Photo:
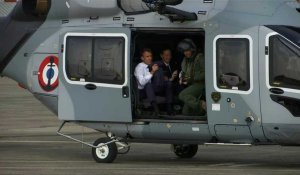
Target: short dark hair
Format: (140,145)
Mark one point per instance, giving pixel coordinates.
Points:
(145,50)
(164,49)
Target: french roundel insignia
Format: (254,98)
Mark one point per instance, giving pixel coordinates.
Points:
(48,73)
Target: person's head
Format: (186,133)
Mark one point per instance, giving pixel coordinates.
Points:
(166,55)
(187,47)
(147,56)
(188,53)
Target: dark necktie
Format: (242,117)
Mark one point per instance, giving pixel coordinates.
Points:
(169,68)
(150,68)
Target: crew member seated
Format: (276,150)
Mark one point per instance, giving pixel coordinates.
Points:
(192,77)
(144,73)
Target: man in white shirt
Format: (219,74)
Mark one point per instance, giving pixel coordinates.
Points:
(144,72)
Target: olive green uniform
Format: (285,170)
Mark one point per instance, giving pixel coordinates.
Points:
(194,70)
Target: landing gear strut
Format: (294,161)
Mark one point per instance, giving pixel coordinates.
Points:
(185,151)
(104,150)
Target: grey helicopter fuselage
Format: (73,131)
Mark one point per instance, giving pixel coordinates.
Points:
(259,114)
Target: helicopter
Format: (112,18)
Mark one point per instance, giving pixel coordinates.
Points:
(78,58)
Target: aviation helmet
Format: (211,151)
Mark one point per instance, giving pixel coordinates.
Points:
(187,44)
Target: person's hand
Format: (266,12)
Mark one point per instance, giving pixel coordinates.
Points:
(154,68)
(174,75)
(183,81)
(203,105)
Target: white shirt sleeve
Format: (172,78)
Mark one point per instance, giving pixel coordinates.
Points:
(143,76)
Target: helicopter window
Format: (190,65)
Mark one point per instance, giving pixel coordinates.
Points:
(95,59)
(79,58)
(232,61)
(284,63)
(289,32)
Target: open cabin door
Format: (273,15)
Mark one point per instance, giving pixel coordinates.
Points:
(94,79)
(280,83)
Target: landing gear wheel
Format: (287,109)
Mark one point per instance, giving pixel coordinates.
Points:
(104,154)
(185,151)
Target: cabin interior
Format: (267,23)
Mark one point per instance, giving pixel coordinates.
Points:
(157,40)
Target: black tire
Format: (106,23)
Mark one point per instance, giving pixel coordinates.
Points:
(185,151)
(105,154)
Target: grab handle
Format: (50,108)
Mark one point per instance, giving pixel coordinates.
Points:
(276,91)
(90,86)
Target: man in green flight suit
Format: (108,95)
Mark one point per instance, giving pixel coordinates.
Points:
(192,77)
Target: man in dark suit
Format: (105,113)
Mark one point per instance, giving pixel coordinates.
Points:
(168,71)
(166,77)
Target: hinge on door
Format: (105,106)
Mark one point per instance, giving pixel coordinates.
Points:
(266,50)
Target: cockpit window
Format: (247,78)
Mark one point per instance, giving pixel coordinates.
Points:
(284,63)
(297,36)
(290,32)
